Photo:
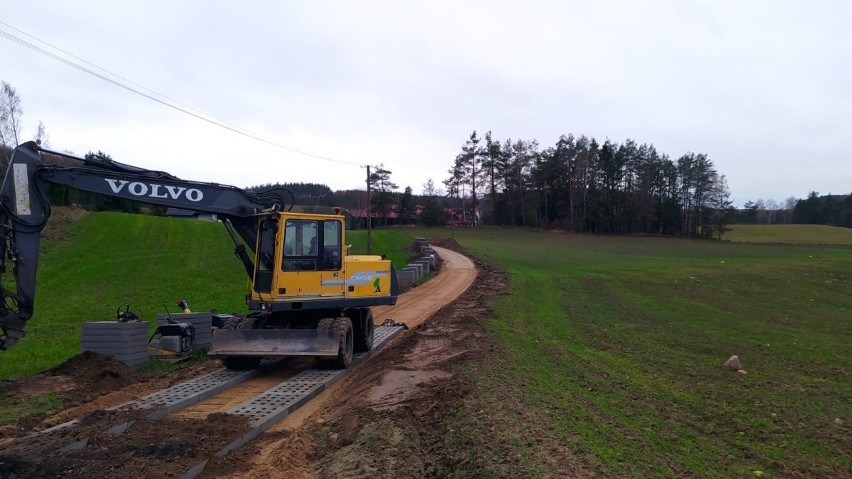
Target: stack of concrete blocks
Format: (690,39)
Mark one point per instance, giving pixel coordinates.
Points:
(202,322)
(425,265)
(427,252)
(407,277)
(418,268)
(126,342)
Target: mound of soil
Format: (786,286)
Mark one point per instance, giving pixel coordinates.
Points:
(96,373)
(78,380)
(448,243)
(148,448)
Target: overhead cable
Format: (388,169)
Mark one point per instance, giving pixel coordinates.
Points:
(152,95)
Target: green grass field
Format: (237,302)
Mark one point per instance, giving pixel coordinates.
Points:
(615,346)
(790,234)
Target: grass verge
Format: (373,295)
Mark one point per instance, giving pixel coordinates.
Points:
(13,408)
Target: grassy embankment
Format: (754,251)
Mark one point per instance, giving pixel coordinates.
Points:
(107,259)
(614,346)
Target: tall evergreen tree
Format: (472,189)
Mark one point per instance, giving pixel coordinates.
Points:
(490,171)
(406,206)
(382,187)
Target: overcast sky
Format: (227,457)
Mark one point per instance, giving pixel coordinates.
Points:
(764,88)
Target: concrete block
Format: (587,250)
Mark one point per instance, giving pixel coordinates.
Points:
(115,328)
(425,263)
(433,260)
(407,278)
(100,335)
(418,267)
(126,342)
(415,273)
(202,322)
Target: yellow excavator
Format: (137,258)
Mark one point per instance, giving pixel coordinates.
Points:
(309,295)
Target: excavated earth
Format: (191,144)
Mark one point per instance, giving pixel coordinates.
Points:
(382,420)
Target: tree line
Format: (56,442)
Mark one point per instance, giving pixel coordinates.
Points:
(577,184)
(582,185)
(835,210)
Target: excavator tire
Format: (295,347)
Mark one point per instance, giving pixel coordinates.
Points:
(365,332)
(325,324)
(240,363)
(343,327)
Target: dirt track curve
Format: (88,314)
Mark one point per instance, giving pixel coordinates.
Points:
(416,305)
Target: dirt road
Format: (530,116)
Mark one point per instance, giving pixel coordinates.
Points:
(416,305)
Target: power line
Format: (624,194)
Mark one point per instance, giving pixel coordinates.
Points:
(151,95)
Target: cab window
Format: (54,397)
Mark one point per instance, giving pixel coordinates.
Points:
(331,245)
(312,245)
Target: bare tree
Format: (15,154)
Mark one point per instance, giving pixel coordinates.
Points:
(10,124)
(429,189)
(10,116)
(42,137)
(720,201)
(789,206)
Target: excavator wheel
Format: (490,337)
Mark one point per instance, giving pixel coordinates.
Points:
(365,332)
(325,324)
(343,327)
(240,363)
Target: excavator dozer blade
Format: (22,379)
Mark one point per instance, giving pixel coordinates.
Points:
(274,342)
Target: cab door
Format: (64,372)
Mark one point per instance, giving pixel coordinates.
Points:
(264,267)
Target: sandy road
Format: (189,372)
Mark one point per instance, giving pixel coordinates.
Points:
(412,308)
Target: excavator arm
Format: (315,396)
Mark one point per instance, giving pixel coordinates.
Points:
(25,209)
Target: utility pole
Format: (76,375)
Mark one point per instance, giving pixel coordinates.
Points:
(369,215)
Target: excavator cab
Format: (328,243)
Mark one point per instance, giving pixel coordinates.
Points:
(301,258)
